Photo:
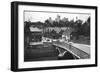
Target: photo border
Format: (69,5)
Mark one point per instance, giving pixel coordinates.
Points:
(14,35)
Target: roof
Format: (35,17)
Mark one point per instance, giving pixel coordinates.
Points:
(67,31)
(35,29)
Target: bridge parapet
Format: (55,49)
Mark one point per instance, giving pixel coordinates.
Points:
(73,50)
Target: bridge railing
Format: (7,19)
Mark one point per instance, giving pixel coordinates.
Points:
(75,51)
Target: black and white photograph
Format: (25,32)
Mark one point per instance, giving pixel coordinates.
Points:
(56,36)
(53,36)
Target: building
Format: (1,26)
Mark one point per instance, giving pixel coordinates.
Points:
(35,35)
(57,19)
(66,34)
(50,20)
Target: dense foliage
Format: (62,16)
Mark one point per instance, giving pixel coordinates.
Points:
(79,27)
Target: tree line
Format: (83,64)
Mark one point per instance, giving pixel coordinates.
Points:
(79,27)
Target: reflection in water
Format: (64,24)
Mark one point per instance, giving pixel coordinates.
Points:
(44,52)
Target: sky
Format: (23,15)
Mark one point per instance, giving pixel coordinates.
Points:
(42,16)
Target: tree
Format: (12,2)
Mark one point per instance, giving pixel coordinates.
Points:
(60,33)
(46,24)
(26,28)
(71,24)
(86,27)
(53,33)
(77,28)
